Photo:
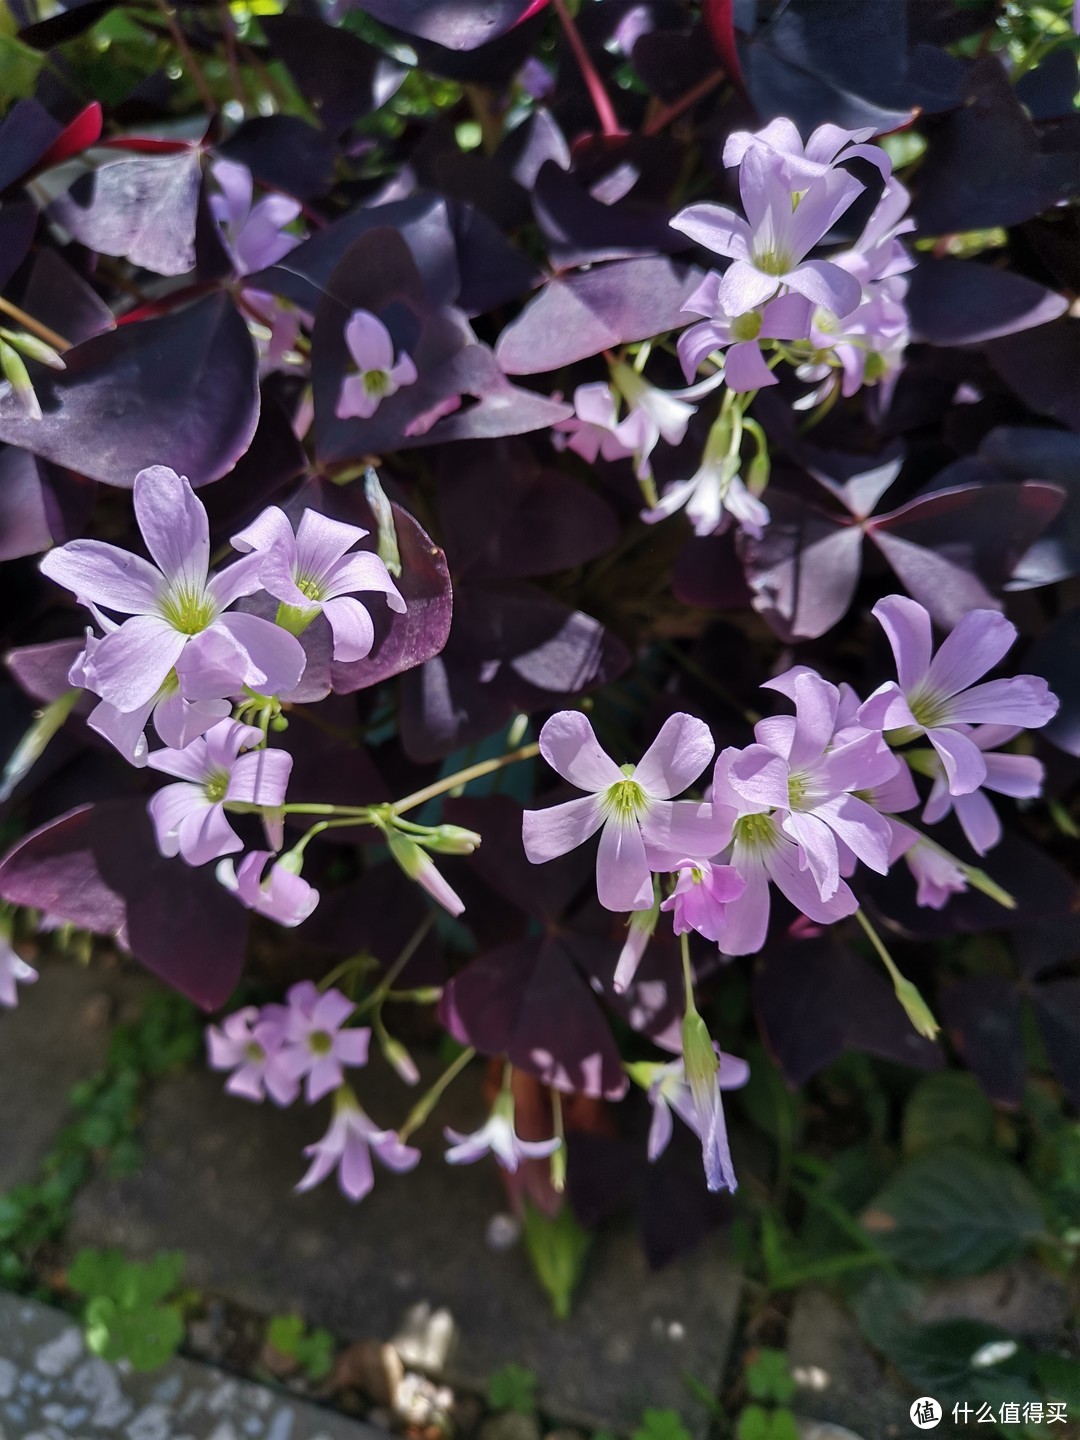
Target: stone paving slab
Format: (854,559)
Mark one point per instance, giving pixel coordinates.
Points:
(840,1381)
(56,1036)
(217,1182)
(52,1389)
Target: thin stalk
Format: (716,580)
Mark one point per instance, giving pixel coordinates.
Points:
(462,777)
(379,994)
(687,970)
(179,39)
(605,111)
(423,1108)
(34,326)
(918,1012)
(667,113)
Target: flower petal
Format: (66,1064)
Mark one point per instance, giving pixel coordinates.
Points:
(817,845)
(677,830)
(174,525)
(570,747)
(130,665)
(798,885)
(1018,775)
(623,878)
(826,284)
(746,918)
(745,288)
(745,368)
(962,759)
(979,821)
(717,228)
(907,625)
(362,572)
(866,833)
(100,574)
(761,777)
(354,633)
(681,751)
(276,658)
(369,341)
(260,777)
(1024,700)
(978,641)
(547,834)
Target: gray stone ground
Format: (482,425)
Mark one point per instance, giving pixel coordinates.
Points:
(52,1389)
(217,1182)
(840,1380)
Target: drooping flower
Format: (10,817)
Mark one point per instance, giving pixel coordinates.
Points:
(936,873)
(936,695)
(497,1137)
(315,571)
(253,234)
(418,865)
(797,771)
(653,414)
(248,1043)
(381,374)
(189,817)
(177,608)
(13,971)
(314,1043)
(701,895)
(1019,776)
(785,318)
(593,429)
(715,494)
(670,1091)
(643,828)
(347,1147)
(281,895)
(769,249)
(639,931)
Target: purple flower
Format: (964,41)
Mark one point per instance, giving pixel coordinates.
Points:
(252,234)
(797,772)
(1020,776)
(249,1044)
(281,895)
(643,829)
(785,318)
(701,895)
(715,494)
(372,350)
(314,1044)
(418,865)
(536,79)
(936,873)
(594,428)
(868,344)
(13,971)
(497,1137)
(670,1090)
(312,573)
(801,164)
(347,1147)
(936,695)
(189,818)
(653,414)
(769,249)
(176,607)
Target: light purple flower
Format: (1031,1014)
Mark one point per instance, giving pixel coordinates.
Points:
(796,770)
(769,249)
(643,829)
(176,607)
(13,971)
(936,873)
(670,1091)
(536,79)
(281,895)
(785,318)
(314,572)
(381,375)
(869,344)
(936,695)
(189,818)
(418,865)
(652,415)
(593,429)
(801,164)
(701,895)
(497,1137)
(715,494)
(248,1043)
(253,234)
(315,1045)
(347,1147)
(1020,776)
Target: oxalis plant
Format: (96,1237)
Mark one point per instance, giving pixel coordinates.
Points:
(379,398)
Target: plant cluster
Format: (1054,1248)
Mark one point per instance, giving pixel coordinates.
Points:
(411,376)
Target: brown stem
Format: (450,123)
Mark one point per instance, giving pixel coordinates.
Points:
(667,113)
(179,39)
(34,326)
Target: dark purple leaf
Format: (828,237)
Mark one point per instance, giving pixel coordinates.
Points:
(815,999)
(284,153)
(179,390)
(540,891)
(379,913)
(804,569)
(1057,1009)
(57,296)
(30,139)
(1056,656)
(707,573)
(1047,92)
(528,1002)
(982,1016)
(18,221)
(455,26)
(340,75)
(99,868)
(577,316)
(40,504)
(582,230)
(141,208)
(492,271)
(273,460)
(962,302)
(42,670)
(1041,367)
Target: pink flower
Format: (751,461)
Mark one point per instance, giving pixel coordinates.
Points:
(176,607)
(253,233)
(497,1137)
(653,415)
(936,696)
(594,428)
(715,494)
(381,375)
(670,1091)
(249,1044)
(312,572)
(347,1147)
(13,971)
(937,874)
(314,1044)
(281,895)
(700,898)
(1020,776)
(642,828)
(189,818)
(785,318)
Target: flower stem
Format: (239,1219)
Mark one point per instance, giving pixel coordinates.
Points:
(605,112)
(687,970)
(379,994)
(462,777)
(424,1106)
(918,1012)
(34,326)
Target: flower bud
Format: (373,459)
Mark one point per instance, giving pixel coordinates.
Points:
(399,1058)
(451,840)
(16,375)
(34,349)
(418,866)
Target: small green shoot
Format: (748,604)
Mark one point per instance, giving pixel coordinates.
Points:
(513,1388)
(311,1350)
(768,1377)
(661,1425)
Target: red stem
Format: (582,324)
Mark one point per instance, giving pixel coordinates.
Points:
(605,112)
(667,113)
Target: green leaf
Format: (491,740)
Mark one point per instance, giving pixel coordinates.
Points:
(96,1272)
(944,1108)
(769,1377)
(316,1353)
(753,1423)
(285,1333)
(19,66)
(661,1425)
(557,1248)
(513,1388)
(954,1212)
(145,1338)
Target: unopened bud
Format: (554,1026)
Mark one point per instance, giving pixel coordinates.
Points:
(418,866)
(15,374)
(451,840)
(34,349)
(640,931)
(918,1012)
(699,1054)
(757,472)
(399,1058)
(278,724)
(387,542)
(558,1169)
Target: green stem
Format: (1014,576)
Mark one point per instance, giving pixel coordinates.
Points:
(918,1012)
(379,994)
(462,777)
(687,970)
(423,1108)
